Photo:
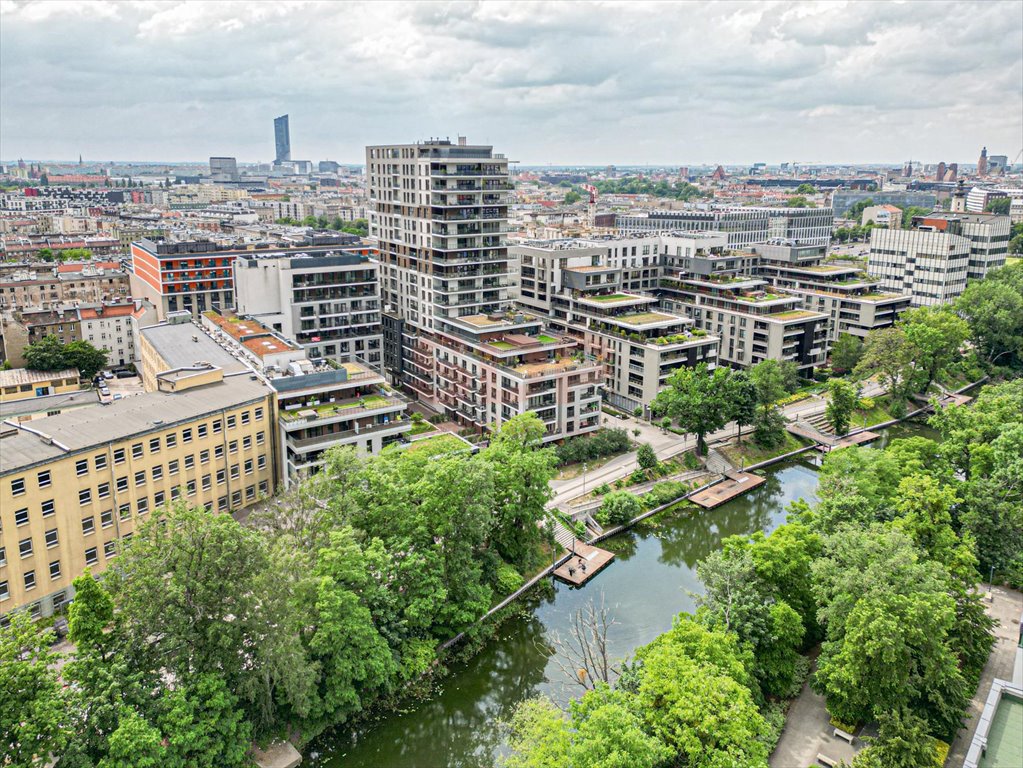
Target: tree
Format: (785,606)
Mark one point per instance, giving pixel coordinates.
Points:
(204,726)
(197,595)
(698,400)
(646,457)
(584,655)
(47,354)
(769,379)
(799,202)
(903,741)
(90,613)
(999,205)
(843,398)
(888,353)
(806,189)
(911,211)
(993,308)
(936,333)
(744,401)
(572,197)
(846,353)
(522,469)
(31,706)
(619,507)
(135,744)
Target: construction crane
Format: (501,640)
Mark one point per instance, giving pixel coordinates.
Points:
(1016,159)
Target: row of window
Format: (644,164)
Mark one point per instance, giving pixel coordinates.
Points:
(44,478)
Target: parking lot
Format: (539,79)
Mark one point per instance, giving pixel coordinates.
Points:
(123,387)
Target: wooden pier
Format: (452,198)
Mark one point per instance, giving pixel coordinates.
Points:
(735,484)
(849,440)
(586,563)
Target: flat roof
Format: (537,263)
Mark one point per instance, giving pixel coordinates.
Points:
(182,345)
(16,377)
(95,426)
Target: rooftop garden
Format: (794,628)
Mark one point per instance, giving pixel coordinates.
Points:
(543,338)
(765,296)
(438,445)
(793,315)
(643,318)
(501,344)
(611,297)
(325,410)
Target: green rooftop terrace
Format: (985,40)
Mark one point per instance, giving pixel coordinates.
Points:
(438,445)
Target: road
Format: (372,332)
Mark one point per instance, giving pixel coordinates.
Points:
(667,445)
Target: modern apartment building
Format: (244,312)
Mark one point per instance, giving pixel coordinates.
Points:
(439,213)
(927,263)
(588,288)
(743,226)
(842,290)
(988,234)
(321,404)
(328,303)
(74,485)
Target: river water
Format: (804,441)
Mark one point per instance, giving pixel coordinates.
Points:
(650,580)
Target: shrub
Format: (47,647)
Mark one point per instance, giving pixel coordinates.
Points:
(602,490)
(603,442)
(508,579)
(690,460)
(645,456)
(665,492)
(619,508)
(637,411)
(637,476)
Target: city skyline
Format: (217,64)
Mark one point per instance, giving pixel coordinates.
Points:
(636,84)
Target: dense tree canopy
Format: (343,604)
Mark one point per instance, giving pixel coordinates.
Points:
(49,354)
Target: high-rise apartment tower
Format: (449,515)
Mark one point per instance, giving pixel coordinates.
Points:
(282,139)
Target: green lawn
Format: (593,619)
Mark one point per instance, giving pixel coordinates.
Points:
(419,427)
(750,453)
(876,415)
(545,339)
(611,297)
(501,344)
(439,445)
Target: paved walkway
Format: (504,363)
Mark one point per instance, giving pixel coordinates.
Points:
(1006,610)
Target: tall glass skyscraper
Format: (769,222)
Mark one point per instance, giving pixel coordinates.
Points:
(282,138)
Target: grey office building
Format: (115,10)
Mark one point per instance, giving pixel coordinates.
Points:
(282,139)
(744,226)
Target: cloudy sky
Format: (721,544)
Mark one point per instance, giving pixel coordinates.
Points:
(551,82)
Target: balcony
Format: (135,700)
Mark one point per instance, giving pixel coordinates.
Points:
(322,442)
(329,413)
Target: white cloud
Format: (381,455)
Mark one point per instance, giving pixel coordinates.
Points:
(570,82)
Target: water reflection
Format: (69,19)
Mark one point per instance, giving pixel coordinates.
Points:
(648,583)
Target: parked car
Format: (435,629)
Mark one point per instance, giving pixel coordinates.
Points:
(124,373)
(108,375)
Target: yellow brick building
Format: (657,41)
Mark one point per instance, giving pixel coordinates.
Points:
(22,384)
(74,485)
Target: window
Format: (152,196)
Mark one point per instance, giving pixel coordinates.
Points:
(30,580)
(21,516)
(3,556)
(207,482)
(140,477)
(186,435)
(158,472)
(222,504)
(82,467)
(248,466)
(235,473)
(259,414)
(262,461)
(260,438)
(204,457)
(58,600)
(25,547)
(158,498)
(18,486)
(250,493)
(109,549)
(100,461)
(201,430)
(246,442)
(44,478)
(221,476)
(122,484)
(231,421)
(172,467)
(102,490)
(190,488)
(90,556)
(88,525)
(142,505)
(218,451)
(154,445)
(48,508)
(124,511)
(232,447)
(189,461)
(175,492)
(5,590)
(106,518)
(236,498)
(217,426)
(55,569)
(172,440)
(51,538)
(85,496)
(245,417)
(136,451)
(118,455)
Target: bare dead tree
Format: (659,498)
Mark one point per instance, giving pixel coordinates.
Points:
(583,655)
